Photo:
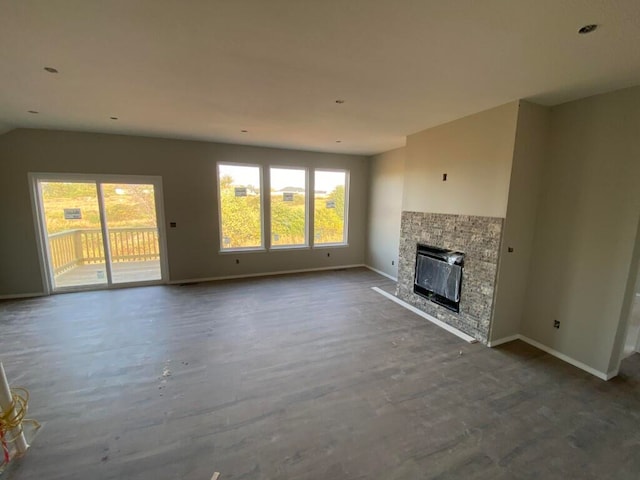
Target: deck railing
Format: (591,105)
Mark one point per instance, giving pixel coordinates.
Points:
(72,248)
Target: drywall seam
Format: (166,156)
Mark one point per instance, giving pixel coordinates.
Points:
(448,328)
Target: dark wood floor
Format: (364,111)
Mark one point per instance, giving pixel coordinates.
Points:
(311,376)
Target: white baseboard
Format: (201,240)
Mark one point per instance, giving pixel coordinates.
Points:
(265,274)
(612,373)
(568,359)
(380,272)
(557,354)
(439,323)
(16,296)
(500,341)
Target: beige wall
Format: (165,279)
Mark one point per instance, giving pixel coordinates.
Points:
(475,152)
(386,178)
(188,170)
(529,156)
(586,228)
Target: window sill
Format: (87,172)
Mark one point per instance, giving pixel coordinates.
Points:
(235,251)
(331,245)
(243,250)
(280,248)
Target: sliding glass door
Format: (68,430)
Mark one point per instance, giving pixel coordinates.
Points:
(96,232)
(74,235)
(132,226)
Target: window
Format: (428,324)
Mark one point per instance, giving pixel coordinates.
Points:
(240,190)
(288,207)
(330,207)
(239,187)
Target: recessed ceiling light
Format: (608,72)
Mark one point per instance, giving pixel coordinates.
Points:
(339,101)
(244,131)
(113,118)
(588,29)
(32,111)
(51,69)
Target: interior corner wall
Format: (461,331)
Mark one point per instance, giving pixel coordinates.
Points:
(586,227)
(476,154)
(188,171)
(529,159)
(386,178)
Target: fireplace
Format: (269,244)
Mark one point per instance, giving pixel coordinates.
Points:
(438,275)
(479,238)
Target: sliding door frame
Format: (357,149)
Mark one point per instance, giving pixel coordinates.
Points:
(44,256)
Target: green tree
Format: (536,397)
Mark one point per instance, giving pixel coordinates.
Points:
(241,219)
(288,220)
(126,205)
(329,221)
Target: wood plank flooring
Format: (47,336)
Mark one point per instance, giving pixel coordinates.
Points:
(310,376)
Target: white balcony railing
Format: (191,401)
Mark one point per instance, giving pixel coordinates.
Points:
(72,248)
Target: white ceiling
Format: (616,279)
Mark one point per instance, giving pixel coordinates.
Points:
(206,69)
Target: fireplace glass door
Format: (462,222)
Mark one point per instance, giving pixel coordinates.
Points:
(438,276)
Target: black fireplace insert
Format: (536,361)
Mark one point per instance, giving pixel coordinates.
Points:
(438,275)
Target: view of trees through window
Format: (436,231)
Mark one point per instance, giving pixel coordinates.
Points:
(126,205)
(74,232)
(241,206)
(329,212)
(288,206)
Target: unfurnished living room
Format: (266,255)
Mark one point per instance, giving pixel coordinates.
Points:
(319,239)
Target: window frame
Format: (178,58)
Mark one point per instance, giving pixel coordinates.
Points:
(262,247)
(307,207)
(345,227)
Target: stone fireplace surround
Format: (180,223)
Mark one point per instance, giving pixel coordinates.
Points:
(479,239)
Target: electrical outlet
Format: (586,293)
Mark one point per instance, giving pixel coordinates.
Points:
(556,324)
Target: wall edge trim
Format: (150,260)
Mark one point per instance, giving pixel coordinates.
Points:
(500,341)
(12,296)
(263,274)
(557,354)
(570,360)
(380,272)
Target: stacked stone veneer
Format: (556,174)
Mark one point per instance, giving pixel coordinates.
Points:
(479,239)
